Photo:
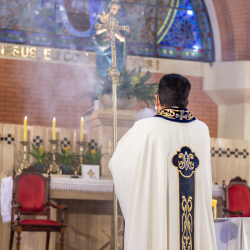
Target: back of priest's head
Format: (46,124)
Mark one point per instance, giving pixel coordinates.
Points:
(173,91)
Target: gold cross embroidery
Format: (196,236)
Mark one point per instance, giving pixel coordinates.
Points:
(91,173)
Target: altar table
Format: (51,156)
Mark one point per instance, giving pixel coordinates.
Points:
(90,211)
(61,188)
(233,233)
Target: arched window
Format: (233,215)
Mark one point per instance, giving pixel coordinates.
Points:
(177,29)
(171,28)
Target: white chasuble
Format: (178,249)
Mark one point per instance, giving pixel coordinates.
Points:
(162,176)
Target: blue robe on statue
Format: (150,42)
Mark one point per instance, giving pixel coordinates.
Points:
(102,44)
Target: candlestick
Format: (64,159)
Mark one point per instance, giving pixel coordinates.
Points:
(81,147)
(54,129)
(25,128)
(82,129)
(24,163)
(214,207)
(54,168)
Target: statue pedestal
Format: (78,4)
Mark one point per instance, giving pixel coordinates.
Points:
(100,123)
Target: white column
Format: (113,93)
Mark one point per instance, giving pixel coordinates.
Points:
(228,85)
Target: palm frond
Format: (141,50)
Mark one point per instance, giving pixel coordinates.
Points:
(142,91)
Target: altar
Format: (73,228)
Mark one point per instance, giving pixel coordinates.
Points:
(89,218)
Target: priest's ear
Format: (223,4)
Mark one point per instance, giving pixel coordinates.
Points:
(157,100)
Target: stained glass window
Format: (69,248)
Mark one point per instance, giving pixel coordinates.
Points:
(159,28)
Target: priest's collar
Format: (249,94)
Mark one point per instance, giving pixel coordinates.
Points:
(176,114)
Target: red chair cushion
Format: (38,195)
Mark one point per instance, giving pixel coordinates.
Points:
(31,193)
(239,199)
(39,222)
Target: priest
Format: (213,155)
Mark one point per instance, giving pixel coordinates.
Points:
(162,176)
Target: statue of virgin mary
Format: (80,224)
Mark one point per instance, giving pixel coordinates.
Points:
(101,40)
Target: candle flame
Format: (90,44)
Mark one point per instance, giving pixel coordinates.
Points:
(82,118)
(87,54)
(54,119)
(25,117)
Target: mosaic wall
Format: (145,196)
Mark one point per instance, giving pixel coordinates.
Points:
(159,28)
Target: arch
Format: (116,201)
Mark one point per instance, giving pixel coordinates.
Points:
(216,29)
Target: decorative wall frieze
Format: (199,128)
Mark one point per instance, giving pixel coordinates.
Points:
(85,58)
(229,152)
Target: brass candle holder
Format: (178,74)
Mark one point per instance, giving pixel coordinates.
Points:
(54,168)
(78,170)
(24,163)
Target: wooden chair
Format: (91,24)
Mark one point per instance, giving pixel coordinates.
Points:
(31,196)
(236,198)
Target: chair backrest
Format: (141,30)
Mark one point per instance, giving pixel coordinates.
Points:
(238,197)
(31,189)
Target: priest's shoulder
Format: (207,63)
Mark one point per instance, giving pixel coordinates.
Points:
(146,123)
(200,123)
(153,122)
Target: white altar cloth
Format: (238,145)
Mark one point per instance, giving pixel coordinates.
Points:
(57,183)
(79,184)
(217,191)
(67,184)
(233,234)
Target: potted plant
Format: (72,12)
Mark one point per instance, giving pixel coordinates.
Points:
(131,88)
(40,155)
(92,159)
(67,159)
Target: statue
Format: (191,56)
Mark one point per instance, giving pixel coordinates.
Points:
(101,39)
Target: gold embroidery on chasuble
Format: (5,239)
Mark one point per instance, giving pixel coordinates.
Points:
(176,114)
(187,223)
(186,163)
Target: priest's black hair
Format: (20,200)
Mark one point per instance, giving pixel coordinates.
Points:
(174,90)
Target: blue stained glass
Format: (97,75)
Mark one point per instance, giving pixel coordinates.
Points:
(205,31)
(197,4)
(181,31)
(184,31)
(35,16)
(142,23)
(147,2)
(77,17)
(185,4)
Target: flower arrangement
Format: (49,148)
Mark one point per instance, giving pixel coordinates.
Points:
(130,84)
(92,156)
(67,159)
(40,156)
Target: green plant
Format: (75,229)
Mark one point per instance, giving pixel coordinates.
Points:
(39,154)
(93,157)
(66,157)
(130,84)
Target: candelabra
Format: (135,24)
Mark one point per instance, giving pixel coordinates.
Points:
(79,168)
(24,163)
(54,168)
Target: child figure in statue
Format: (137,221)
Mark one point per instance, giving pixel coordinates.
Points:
(101,40)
